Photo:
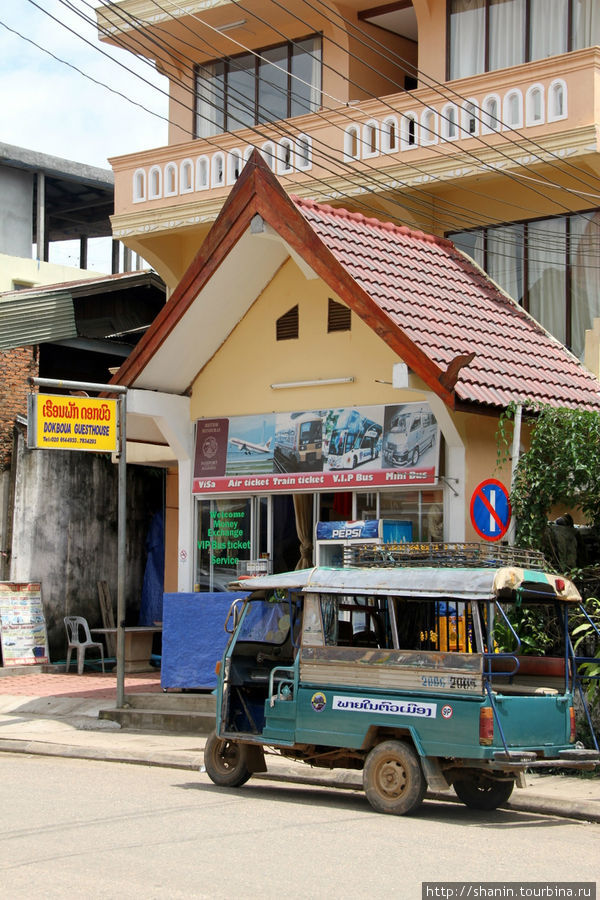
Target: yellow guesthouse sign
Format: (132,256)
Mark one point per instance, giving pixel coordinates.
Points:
(61,422)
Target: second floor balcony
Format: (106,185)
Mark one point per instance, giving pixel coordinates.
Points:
(363,155)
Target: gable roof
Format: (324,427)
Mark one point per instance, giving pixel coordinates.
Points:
(466,339)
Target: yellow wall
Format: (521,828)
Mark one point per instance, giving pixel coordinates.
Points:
(237,380)
(34,273)
(479,436)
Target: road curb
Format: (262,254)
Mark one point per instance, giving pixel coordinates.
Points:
(546,806)
(69,751)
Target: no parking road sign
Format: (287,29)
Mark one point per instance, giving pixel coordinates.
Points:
(490,510)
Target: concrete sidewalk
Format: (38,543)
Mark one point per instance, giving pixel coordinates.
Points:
(57,715)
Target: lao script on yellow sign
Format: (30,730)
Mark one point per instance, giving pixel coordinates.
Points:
(72,423)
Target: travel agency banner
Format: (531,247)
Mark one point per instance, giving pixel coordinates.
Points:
(313,450)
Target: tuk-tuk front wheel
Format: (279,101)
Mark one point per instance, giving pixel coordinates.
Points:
(225,761)
(393,779)
(483,793)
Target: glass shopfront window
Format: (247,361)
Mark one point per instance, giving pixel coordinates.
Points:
(277,531)
(224,530)
(423,509)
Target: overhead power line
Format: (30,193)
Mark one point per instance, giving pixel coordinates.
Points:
(455,225)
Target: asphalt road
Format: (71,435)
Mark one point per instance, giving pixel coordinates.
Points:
(78,828)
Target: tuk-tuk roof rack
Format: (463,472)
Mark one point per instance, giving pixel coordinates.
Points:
(470,555)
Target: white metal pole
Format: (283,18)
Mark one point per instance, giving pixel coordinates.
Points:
(121,549)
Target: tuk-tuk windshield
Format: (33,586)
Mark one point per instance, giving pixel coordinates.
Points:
(265,622)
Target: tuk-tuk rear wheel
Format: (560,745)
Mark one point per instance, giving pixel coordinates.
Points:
(225,761)
(483,793)
(393,779)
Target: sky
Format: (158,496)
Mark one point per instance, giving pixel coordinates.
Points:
(50,108)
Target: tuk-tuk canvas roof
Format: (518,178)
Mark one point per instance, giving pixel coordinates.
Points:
(461,584)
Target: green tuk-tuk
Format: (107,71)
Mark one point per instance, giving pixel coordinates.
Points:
(414,674)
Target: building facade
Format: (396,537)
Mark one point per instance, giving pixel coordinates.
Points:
(58,511)
(469,119)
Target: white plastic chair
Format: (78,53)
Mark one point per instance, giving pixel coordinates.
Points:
(78,628)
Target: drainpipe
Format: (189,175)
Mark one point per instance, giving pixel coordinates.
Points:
(516,447)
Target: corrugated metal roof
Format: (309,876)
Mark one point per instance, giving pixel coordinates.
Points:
(36,318)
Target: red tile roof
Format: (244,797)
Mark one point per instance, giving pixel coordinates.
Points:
(448,307)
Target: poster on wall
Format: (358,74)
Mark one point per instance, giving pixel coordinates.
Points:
(327,449)
(23,633)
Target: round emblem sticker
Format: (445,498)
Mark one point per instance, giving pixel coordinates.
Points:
(318,701)
(210,447)
(447,712)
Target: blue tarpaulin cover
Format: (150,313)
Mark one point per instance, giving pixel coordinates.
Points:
(193,638)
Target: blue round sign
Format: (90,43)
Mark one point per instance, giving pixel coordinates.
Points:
(490,510)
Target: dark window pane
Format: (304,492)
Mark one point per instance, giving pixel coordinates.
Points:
(306,76)
(471,243)
(547,274)
(585,277)
(505,249)
(210,102)
(255,87)
(241,85)
(273,85)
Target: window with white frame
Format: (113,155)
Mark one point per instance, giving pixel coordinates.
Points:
(303,152)
(409,136)
(490,114)
(202,173)
(513,109)
(470,119)
(186,176)
(534,105)
(217,170)
(139,185)
(285,156)
(351,142)
(557,99)
(370,139)
(449,122)
(389,135)
(268,154)
(154,183)
(170,179)
(234,166)
(429,127)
